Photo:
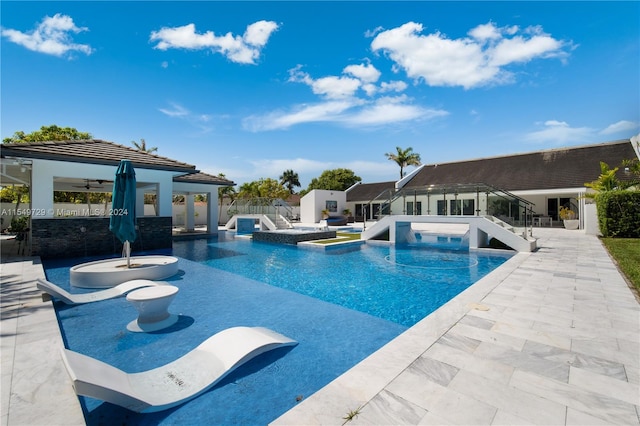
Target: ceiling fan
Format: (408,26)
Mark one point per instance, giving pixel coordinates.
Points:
(89,186)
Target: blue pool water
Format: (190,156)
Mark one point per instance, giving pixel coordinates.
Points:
(403,283)
(230,283)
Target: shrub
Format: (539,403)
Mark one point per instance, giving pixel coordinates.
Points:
(619,213)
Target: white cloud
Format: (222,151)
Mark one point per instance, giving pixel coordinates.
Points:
(331,87)
(559,132)
(393,86)
(365,73)
(52,36)
(390,110)
(198,120)
(258,33)
(342,102)
(320,112)
(519,49)
(485,32)
(473,61)
(243,49)
(175,111)
(620,126)
(352,113)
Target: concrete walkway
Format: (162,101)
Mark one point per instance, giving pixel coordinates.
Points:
(551,337)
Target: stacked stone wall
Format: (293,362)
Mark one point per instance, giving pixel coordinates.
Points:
(90,236)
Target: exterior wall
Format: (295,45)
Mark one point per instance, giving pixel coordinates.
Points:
(90,236)
(429,205)
(312,204)
(591,225)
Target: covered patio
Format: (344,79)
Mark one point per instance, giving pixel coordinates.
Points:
(57,229)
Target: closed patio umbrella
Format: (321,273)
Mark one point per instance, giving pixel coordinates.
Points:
(123,207)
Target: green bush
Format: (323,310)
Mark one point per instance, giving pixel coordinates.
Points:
(619,213)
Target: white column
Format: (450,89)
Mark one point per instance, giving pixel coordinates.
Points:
(190,211)
(42,191)
(212,212)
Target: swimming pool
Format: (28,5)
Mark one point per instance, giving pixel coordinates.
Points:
(214,296)
(402,283)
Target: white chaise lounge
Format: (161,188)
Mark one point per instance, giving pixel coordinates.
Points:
(174,383)
(110,293)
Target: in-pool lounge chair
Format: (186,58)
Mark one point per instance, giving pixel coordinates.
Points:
(174,383)
(110,293)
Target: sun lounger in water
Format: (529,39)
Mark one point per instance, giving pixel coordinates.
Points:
(76,299)
(174,383)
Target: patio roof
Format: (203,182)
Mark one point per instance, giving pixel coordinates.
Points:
(368,191)
(93,151)
(203,178)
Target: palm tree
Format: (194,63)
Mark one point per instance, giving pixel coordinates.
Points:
(225,191)
(404,158)
(142,146)
(289,179)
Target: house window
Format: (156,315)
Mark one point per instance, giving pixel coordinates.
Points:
(442,208)
(418,209)
(468,207)
(455,207)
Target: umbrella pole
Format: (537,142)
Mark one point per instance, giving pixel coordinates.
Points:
(127,252)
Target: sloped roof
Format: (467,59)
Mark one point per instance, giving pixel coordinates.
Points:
(204,178)
(93,151)
(368,191)
(541,170)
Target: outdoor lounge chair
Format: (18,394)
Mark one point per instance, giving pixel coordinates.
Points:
(174,383)
(110,293)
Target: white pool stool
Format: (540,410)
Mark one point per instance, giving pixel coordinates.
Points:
(152,304)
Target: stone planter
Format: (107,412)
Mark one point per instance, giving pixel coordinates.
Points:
(571,223)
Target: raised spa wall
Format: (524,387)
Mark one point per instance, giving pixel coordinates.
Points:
(291,237)
(90,236)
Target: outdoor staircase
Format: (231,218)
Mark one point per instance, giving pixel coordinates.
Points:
(268,211)
(481,229)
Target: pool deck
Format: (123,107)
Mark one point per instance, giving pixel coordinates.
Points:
(551,337)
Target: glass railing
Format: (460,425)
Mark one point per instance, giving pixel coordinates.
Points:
(273,208)
(453,200)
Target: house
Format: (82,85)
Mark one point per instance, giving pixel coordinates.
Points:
(90,166)
(519,188)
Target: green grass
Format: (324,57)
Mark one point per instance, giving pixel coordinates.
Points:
(626,252)
(345,236)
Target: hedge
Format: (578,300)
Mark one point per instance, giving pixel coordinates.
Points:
(619,213)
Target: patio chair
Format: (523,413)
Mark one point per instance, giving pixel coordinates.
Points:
(174,383)
(77,299)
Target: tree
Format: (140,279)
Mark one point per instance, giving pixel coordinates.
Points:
(263,188)
(404,158)
(336,179)
(225,191)
(142,146)
(289,179)
(48,133)
(607,181)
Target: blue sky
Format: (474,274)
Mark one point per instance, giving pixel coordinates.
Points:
(250,89)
